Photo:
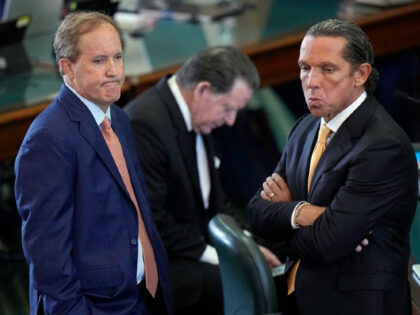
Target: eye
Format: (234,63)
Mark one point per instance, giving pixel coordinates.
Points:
(228,109)
(304,68)
(99,60)
(328,70)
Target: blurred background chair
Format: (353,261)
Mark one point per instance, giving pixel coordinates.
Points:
(248,285)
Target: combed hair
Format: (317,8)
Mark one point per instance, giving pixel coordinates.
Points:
(220,66)
(358,49)
(75,24)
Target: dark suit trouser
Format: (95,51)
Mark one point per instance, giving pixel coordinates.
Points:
(286,303)
(211,300)
(154,306)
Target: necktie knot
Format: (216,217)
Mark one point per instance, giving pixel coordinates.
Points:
(106,125)
(323,134)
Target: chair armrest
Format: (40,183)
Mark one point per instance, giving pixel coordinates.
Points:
(416,273)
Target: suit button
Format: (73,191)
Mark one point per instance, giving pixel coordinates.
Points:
(133,241)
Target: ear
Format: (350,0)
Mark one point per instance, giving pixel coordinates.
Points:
(67,67)
(362,74)
(202,89)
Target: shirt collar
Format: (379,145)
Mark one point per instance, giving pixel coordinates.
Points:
(95,110)
(341,117)
(183,107)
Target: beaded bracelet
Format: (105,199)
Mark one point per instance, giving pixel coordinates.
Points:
(299,207)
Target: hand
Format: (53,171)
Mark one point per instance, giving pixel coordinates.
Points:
(272,259)
(275,189)
(364,242)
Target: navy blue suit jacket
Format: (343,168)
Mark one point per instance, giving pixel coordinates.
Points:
(367,179)
(79,225)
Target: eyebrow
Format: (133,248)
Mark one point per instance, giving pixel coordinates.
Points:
(328,64)
(321,65)
(99,56)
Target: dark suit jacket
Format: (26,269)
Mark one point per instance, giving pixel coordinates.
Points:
(169,164)
(367,179)
(79,225)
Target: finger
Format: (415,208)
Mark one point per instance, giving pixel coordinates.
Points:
(358,248)
(264,196)
(263,185)
(269,191)
(365,242)
(274,187)
(267,188)
(274,261)
(271,259)
(279,180)
(272,182)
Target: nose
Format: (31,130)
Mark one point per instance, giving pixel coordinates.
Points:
(312,79)
(111,69)
(230,118)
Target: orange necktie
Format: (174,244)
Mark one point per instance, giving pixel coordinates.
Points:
(115,148)
(319,149)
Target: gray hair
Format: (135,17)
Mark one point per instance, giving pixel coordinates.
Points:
(75,24)
(220,66)
(358,49)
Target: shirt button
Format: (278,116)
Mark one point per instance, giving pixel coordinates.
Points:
(133,241)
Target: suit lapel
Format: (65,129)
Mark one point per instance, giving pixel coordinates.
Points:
(339,146)
(189,157)
(90,131)
(342,142)
(308,147)
(183,136)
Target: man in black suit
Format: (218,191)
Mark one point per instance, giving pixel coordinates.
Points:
(172,123)
(363,185)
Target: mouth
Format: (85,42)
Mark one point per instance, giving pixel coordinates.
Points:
(111,83)
(314,101)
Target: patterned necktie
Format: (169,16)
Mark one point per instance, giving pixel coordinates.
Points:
(319,149)
(115,148)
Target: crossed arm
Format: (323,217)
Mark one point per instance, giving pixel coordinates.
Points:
(275,189)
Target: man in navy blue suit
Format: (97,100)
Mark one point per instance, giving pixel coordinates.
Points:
(364,184)
(80,225)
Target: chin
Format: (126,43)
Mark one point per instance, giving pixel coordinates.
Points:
(205,131)
(112,100)
(316,113)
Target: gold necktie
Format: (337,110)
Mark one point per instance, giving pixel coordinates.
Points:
(319,149)
(115,148)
